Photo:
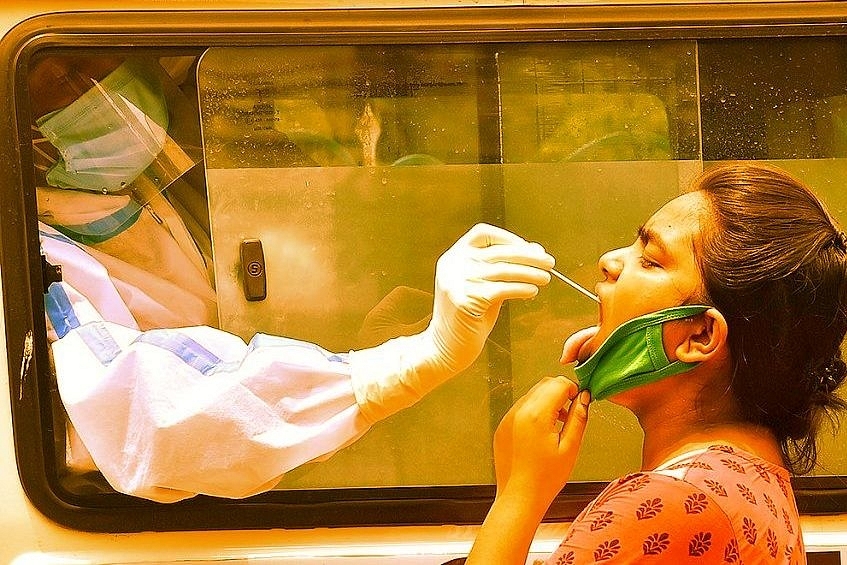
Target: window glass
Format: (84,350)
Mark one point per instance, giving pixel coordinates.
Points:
(358,166)
(355,167)
(785,102)
(596,137)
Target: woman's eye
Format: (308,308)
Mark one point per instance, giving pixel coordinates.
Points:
(647,263)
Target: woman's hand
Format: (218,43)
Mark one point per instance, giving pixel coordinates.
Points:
(537,442)
(504,442)
(535,448)
(573,345)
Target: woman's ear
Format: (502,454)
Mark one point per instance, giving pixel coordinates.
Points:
(706,338)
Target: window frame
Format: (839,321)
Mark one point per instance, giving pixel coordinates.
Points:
(190,32)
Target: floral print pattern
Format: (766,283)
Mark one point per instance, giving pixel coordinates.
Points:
(720,505)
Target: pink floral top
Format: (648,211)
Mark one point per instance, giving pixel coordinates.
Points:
(717,505)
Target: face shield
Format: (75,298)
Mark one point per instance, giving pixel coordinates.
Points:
(111,150)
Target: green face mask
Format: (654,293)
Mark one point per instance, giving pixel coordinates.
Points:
(633,355)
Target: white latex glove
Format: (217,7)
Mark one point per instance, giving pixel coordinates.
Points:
(483,268)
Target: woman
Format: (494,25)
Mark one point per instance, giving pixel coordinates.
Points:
(751,370)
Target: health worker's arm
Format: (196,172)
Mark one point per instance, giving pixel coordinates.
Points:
(167,414)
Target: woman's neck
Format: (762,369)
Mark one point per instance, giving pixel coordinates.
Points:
(667,436)
(691,411)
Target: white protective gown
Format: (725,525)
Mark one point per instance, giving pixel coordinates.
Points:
(169,413)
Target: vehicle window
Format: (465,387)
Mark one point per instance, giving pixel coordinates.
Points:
(334,149)
(354,166)
(785,104)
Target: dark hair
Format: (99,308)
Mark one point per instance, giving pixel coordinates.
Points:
(775,265)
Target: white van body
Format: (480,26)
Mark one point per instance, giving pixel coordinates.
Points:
(28,537)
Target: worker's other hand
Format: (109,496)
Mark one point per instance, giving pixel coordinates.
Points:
(483,268)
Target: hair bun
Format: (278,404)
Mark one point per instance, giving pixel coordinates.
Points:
(828,377)
(839,240)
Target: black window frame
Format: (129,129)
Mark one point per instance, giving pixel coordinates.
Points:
(191,32)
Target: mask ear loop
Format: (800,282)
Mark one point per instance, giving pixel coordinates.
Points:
(46,156)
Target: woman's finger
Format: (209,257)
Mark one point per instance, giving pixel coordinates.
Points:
(575,422)
(550,395)
(573,344)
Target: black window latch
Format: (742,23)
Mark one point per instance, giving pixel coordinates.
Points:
(49,273)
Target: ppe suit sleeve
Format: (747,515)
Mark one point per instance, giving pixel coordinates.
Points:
(166,414)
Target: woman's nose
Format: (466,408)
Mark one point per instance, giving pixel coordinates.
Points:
(611,263)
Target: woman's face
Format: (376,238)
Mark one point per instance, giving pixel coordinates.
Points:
(657,271)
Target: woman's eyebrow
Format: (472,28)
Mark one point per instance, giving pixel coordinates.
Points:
(647,236)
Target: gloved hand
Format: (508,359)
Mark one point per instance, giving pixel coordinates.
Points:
(483,268)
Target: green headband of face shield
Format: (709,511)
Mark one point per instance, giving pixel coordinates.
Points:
(633,355)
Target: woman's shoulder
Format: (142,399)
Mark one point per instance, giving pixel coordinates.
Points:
(724,469)
(722,488)
(719,502)
(754,494)
(650,515)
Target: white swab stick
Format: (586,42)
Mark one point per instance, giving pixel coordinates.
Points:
(574,285)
